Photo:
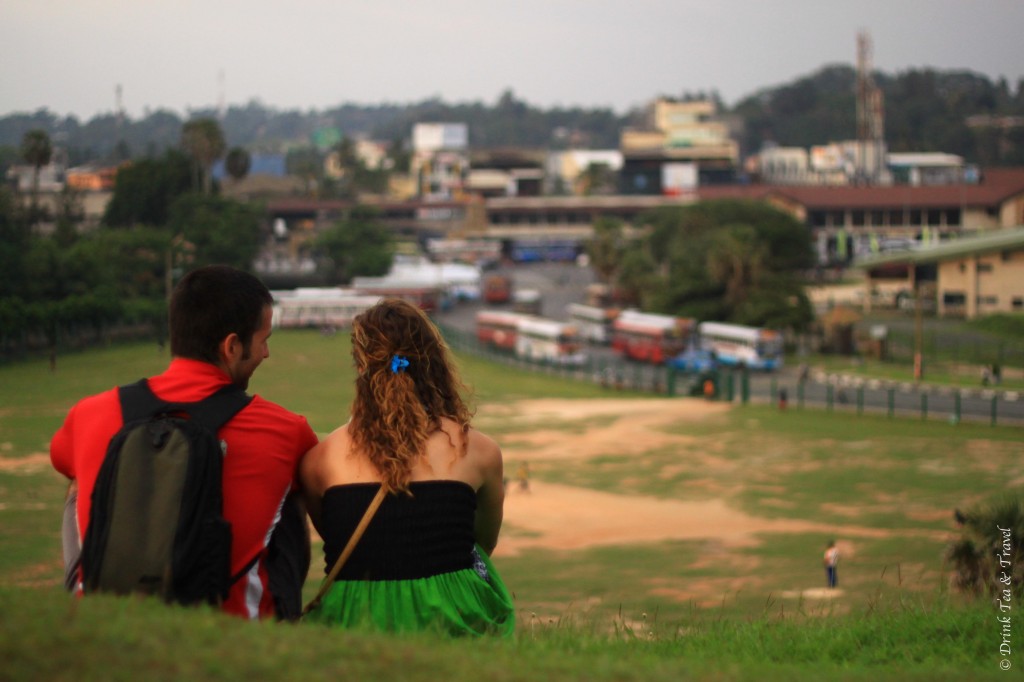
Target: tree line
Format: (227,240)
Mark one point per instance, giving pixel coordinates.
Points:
(61,286)
(925,110)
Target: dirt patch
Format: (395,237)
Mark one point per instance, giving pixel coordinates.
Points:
(626,427)
(555,516)
(29,464)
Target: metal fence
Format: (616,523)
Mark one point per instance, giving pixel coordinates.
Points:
(831,392)
(957,348)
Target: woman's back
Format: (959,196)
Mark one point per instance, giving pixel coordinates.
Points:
(412,536)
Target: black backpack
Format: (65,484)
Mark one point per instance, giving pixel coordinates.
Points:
(156,525)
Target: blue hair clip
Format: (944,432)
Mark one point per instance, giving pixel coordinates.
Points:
(399,363)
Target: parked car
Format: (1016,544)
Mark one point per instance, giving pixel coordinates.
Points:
(694,361)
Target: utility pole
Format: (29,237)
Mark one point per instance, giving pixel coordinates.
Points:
(918,327)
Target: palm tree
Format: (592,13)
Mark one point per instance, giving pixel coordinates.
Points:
(597,179)
(237,163)
(736,260)
(203,140)
(36,150)
(605,248)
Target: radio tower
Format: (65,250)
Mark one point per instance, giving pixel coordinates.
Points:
(119,104)
(870,117)
(221,107)
(119,145)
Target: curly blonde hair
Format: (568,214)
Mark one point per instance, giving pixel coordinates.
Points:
(395,411)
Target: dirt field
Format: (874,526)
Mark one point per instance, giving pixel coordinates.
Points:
(555,516)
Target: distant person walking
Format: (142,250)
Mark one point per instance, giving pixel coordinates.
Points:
(709,389)
(831,561)
(523,477)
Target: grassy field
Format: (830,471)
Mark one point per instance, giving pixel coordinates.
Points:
(602,613)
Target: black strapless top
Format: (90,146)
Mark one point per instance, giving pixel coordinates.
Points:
(409,537)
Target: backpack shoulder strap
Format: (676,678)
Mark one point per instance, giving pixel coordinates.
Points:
(216,409)
(138,402)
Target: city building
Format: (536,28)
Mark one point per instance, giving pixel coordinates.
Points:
(565,170)
(684,145)
(850,220)
(440,159)
(506,172)
(975,275)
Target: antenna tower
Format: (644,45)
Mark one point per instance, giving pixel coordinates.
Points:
(119,105)
(870,116)
(221,106)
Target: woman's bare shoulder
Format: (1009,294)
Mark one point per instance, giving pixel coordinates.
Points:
(482,446)
(338,440)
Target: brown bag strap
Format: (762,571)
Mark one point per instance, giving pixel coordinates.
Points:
(345,553)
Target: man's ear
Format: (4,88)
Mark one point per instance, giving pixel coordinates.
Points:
(230,348)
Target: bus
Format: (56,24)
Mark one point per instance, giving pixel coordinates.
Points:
(326,308)
(594,322)
(543,340)
(427,296)
(742,346)
(533,250)
(497,329)
(527,301)
(649,337)
(475,251)
(497,288)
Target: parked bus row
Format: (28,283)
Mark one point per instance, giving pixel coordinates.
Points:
(683,342)
(325,307)
(530,337)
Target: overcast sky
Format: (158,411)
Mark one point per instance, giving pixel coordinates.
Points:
(71,55)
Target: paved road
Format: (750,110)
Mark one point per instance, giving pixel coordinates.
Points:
(560,284)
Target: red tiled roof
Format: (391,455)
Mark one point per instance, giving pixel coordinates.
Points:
(997,185)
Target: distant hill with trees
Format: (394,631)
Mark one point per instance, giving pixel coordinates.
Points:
(925,110)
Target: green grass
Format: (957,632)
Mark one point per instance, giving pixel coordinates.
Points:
(44,635)
(659,611)
(1006,326)
(942,372)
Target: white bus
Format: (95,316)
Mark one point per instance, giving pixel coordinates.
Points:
(543,340)
(594,322)
(740,345)
(315,307)
(498,329)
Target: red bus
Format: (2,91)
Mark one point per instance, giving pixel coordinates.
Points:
(497,289)
(498,329)
(649,337)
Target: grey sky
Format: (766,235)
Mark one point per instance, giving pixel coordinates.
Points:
(70,55)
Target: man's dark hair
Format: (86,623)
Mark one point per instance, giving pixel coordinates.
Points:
(210,303)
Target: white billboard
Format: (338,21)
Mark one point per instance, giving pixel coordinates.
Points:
(677,178)
(432,137)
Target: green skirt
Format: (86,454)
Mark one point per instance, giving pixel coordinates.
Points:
(457,603)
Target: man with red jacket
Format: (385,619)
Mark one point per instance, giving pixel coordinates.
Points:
(219,328)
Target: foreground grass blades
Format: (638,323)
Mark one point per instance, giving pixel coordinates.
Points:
(47,635)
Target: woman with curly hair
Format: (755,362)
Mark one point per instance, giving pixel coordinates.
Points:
(423,561)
